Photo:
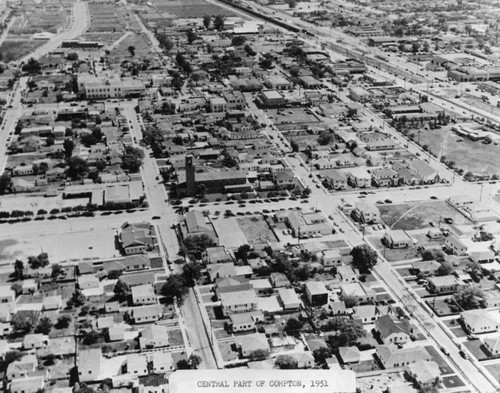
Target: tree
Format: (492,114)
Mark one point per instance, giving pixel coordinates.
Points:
(165,43)
(175,287)
(291,4)
(207,20)
(57,270)
(266,63)
(191,36)
(350,300)
(242,252)
(238,40)
(77,299)
(32,67)
(41,260)
(469,297)
(325,138)
(363,258)
(132,159)
(91,337)
(286,362)
(415,47)
(201,190)
(258,355)
(219,22)
(191,272)
(68,147)
(445,269)
(50,140)
(44,326)
(293,326)
(18,270)
(72,56)
(197,244)
(433,254)
(121,290)
(6,184)
(63,322)
(131,50)
(294,145)
(183,364)
(321,354)
(77,167)
(22,323)
(8,358)
(194,360)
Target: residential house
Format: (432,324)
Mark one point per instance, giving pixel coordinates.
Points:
(397,238)
(238,302)
(22,368)
(362,293)
(128,264)
(252,342)
(154,336)
(244,322)
(195,223)
(456,245)
(50,303)
(33,384)
(316,293)
(479,321)
(444,284)
(289,299)
(137,238)
(137,364)
(366,313)
(304,359)
(425,268)
(161,362)
(330,258)
(347,274)
(335,180)
(393,332)
(391,356)
(143,294)
(349,355)
(7,294)
(359,177)
(35,341)
(493,345)
(279,280)
(90,363)
(145,314)
(385,177)
(367,213)
(425,373)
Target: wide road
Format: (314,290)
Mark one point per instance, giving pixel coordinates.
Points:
(166,218)
(80,20)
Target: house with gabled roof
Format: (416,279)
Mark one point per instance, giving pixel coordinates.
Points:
(143,294)
(154,336)
(128,264)
(393,332)
(220,270)
(195,223)
(145,314)
(27,384)
(23,367)
(349,355)
(493,345)
(35,341)
(137,238)
(391,356)
(425,268)
(238,302)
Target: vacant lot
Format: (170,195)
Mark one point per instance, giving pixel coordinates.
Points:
(139,41)
(13,50)
(191,9)
(478,350)
(436,356)
(418,215)
(494,370)
(256,230)
(79,245)
(468,155)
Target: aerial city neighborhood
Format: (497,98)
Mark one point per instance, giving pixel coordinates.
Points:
(250,184)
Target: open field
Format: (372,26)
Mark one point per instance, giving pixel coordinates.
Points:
(13,50)
(191,9)
(34,203)
(256,230)
(468,155)
(418,215)
(139,41)
(60,247)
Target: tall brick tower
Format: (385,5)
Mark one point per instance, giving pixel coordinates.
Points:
(190,176)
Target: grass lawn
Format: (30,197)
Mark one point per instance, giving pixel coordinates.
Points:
(175,337)
(403,272)
(418,215)
(436,356)
(440,307)
(138,41)
(478,350)
(15,49)
(494,370)
(228,351)
(452,381)
(191,9)
(397,254)
(256,230)
(221,333)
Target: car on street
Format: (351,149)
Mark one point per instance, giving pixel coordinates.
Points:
(433,197)
(463,354)
(445,351)
(388,201)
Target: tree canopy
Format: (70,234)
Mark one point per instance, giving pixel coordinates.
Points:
(363,258)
